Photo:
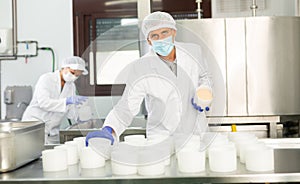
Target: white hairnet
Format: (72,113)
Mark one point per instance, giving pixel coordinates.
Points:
(157,20)
(75,63)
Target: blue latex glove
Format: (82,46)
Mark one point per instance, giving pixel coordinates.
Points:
(105,132)
(198,108)
(76,100)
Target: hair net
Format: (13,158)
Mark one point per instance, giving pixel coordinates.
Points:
(75,63)
(157,20)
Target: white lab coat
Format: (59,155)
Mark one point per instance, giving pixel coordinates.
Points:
(167,96)
(48,104)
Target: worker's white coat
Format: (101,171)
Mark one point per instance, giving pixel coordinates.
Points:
(48,104)
(167,96)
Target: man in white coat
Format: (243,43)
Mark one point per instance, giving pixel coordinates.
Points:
(55,98)
(167,78)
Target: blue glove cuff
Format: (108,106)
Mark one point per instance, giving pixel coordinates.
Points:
(109,129)
(198,108)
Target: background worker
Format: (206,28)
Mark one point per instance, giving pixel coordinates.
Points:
(55,98)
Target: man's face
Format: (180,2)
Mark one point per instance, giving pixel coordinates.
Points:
(77,73)
(160,34)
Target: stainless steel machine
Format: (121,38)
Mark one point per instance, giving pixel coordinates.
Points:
(259,61)
(16,98)
(255,64)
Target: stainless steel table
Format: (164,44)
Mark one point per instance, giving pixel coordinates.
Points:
(287,169)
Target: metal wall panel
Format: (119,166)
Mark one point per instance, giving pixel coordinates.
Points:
(273,65)
(258,59)
(236,66)
(210,35)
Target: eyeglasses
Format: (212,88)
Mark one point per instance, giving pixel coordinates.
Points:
(157,35)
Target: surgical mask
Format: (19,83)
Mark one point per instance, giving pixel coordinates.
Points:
(69,77)
(163,47)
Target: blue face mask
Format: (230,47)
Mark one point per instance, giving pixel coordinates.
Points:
(163,47)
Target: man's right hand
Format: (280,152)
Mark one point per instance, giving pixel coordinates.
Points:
(77,100)
(202,99)
(105,132)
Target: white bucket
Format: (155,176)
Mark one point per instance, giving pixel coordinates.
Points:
(240,145)
(211,139)
(238,136)
(80,141)
(152,169)
(102,146)
(223,158)
(135,140)
(152,159)
(73,143)
(122,169)
(54,160)
(249,145)
(124,159)
(190,161)
(91,159)
(164,142)
(72,153)
(259,159)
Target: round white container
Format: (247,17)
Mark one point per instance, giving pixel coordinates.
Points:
(238,136)
(136,140)
(203,97)
(167,161)
(248,146)
(80,141)
(96,172)
(190,161)
(73,143)
(223,158)
(73,170)
(191,142)
(91,159)
(54,160)
(259,159)
(72,153)
(152,169)
(102,147)
(163,145)
(124,159)
(122,169)
(212,139)
(244,141)
(152,159)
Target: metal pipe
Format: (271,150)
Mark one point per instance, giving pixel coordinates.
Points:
(29,42)
(199,10)
(14,29)
(144,9)
(298,8)
(14,33)
(253,7)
